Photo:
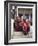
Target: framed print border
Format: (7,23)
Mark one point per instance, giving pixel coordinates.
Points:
(6,22)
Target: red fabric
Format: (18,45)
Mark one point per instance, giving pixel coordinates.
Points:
(24,25)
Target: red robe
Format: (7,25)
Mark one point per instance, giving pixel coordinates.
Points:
(22,26)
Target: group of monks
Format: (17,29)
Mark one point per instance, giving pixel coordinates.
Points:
(21,24)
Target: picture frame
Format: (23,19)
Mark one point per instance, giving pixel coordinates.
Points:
(8,10)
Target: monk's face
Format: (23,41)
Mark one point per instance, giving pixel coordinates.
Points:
(18,18)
